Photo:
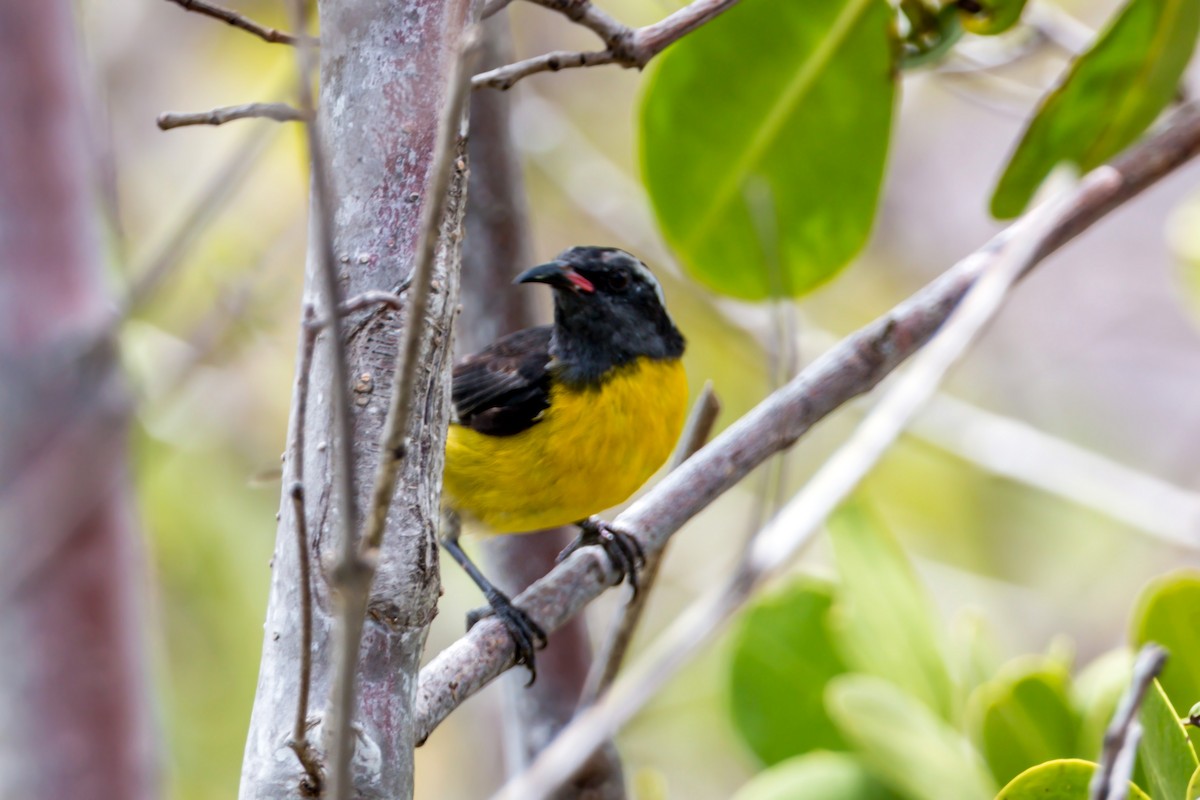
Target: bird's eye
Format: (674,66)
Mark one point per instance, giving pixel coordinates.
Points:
(618,281)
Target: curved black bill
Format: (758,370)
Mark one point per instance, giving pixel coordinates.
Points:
(558,274)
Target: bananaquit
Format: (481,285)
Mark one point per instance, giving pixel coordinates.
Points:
(554,423)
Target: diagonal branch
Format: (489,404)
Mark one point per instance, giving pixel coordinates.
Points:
(280,112)
(236,20)
(629,47)
(846,371)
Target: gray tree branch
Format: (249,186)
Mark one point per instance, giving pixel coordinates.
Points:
(280,112)
(236,20)
(629,47)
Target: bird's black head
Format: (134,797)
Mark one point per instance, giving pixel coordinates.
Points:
(608,311)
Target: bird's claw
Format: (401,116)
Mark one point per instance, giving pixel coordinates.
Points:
(623,550)
(527,636)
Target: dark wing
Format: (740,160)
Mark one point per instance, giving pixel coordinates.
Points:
(503,389)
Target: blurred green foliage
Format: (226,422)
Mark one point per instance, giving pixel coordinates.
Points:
(1109,96)
(783,656)
(730,120)
(1167,756)
(816,776)
(1026,727)
(1168,613)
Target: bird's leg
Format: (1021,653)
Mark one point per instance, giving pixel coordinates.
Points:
(526,634)
(623,550)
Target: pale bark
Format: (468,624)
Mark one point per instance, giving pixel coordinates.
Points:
(74,718)
(385,72)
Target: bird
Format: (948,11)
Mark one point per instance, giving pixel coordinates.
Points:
(552,424)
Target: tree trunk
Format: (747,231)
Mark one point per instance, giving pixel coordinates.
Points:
(74,720)
(385,71)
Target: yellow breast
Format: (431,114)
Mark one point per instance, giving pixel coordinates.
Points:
(592,449)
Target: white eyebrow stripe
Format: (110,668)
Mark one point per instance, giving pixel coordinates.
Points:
(646,274)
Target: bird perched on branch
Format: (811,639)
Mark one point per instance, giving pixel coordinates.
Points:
(555,423)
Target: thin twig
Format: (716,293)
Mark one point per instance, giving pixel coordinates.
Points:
(356,572)
(299,741)
(238,21)
(337,732)
(629,47)
(608,661)
(280,112)
(590,16)
(1111,781)
(848,370)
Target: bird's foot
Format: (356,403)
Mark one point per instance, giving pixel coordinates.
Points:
(527,636)
(623,550)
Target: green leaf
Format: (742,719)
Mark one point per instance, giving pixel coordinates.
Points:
(973,650)
(904,743)
(1193,788)
(1097,690)
(884,622)
(1024,717)
(1165,751)
(817,776)
(763,139)
(783,655)
(1168,612)
(1065,779)
(1110,95)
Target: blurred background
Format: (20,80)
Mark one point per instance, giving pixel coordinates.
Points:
(1054,477)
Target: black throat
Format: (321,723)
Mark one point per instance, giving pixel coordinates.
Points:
(587,347)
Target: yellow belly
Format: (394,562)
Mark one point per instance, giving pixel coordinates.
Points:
(591,450)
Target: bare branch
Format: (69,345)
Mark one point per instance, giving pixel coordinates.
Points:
(237,20)
(583,12)
(653,39)
(1111,781)
(280,112)
(851,369)
(626,46)
(505,77)
(299,741)
(338,736)
(608,660)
